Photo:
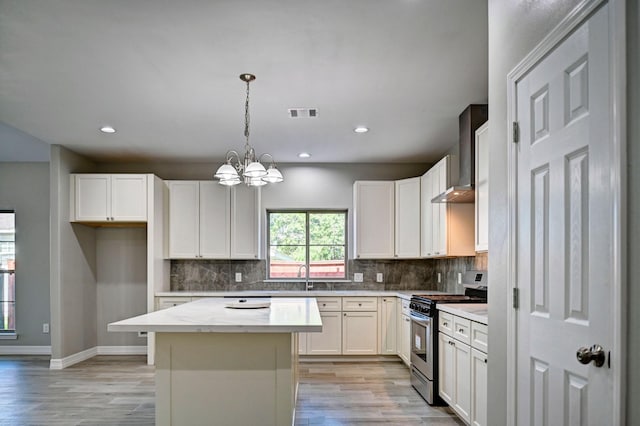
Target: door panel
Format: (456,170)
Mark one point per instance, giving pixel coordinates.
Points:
(564,220)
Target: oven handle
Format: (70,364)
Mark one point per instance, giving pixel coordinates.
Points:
(420,319)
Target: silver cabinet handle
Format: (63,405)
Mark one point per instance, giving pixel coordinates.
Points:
(461,330)
(446,324)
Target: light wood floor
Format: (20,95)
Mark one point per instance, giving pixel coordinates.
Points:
(108,390)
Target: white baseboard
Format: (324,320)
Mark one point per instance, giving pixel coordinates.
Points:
(59,364)
(122,350)
(25,350)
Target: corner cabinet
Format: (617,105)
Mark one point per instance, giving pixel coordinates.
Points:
(108,198)
(407,218)
(447,228)
(482,188)
(210,221)
(374,221)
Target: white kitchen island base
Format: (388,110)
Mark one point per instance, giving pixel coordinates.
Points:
(218,365)
(225,378)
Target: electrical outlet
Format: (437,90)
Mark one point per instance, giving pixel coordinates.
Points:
(459,277)
(358,277)
(379,277)
(238,277)
(45,328)
(439,277)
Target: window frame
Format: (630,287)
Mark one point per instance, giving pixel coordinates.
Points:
(307,212)
(10,333)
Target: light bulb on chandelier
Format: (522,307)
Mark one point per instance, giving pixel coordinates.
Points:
(249,168)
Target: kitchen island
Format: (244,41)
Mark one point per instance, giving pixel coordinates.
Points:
(217,363)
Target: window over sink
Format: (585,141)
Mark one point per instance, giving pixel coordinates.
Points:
(307,244)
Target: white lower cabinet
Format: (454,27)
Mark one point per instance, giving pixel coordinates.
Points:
(329,341)
(359,333)
(170,302)
(463,368)
(478,388)
(387,325)
(403,331)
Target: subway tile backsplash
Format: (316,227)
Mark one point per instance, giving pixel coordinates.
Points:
(398,275)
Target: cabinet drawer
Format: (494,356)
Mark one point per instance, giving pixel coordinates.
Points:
(480,336)
(359,303)
(405,307)
(462,329)
(445,323)
(169,302)
(329,304)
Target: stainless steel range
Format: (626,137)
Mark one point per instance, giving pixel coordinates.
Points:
(424,332)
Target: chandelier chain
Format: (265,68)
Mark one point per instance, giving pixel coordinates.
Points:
(246,116)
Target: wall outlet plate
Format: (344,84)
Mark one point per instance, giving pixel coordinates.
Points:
(379,277)
(45,328)
(459,277)
(358,277)
(439,277)
(238,277)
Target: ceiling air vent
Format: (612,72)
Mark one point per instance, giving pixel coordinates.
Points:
(303,112)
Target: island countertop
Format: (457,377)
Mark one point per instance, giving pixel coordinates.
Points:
(211,315)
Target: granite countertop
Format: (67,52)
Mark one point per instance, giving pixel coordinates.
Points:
(478,312)
(405,294)
(284,315)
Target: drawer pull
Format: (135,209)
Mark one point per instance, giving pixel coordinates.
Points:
(485,360)
(461,330)
(446,324)
(324,304)
(359,304)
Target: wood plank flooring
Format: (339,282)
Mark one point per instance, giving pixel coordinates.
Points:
(119,390)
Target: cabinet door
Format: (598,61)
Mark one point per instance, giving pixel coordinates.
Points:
(387,327)
(184,218)
(462,392)
(405,339)
(359,333)
(443,184)
(478,388)
(245,222)
(426,215)
(482,188)
(302,343)
(129,198)
(215,221)
(446,368)
(435,211)
(407,218)
(374,223)
(329,341)
(93,197)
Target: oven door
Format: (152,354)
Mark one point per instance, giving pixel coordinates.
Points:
(422,344)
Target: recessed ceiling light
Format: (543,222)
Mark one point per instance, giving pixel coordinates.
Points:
(361,129)
(107,129)
(304,155)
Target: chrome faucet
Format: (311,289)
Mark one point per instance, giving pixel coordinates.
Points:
(308,286)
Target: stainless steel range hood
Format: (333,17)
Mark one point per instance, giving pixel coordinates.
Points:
(470,119)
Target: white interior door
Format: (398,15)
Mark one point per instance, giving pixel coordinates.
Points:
(564,222)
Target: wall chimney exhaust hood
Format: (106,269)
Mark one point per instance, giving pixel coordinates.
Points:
(470,119)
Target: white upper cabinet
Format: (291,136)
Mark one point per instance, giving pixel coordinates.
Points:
(482,188)
(245,222)
(211,221)
(407,218)
(109,198)
(447,228)
(374,222)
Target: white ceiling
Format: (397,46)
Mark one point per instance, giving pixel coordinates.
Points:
(165,75)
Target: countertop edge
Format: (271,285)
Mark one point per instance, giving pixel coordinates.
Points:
(472,311)
(403,294)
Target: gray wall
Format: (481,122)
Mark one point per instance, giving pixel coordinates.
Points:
(73,263)
(515,27)
(24,187)
(633,212)
(121,281)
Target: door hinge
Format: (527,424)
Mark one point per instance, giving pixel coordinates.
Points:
(516,298)
(516,132)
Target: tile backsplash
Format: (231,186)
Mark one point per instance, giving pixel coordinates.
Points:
(398,275)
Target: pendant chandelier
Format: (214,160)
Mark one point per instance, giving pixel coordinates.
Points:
(248,168)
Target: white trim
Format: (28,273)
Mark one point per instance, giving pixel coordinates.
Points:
(122,350)
(61,363)
(25,350)
(617,41)
(8,336)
